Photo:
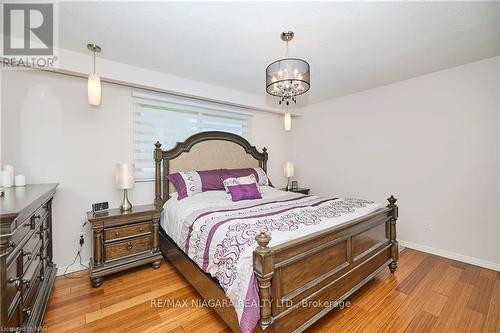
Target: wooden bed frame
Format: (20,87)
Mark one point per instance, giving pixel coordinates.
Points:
(301,280)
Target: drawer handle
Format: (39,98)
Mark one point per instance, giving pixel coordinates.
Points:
(12,245)
(45,228)
(27,254)
(117,233)
(27,311)
(15,281)
(26,282)
(141,229)
(129,246)
(40,277)
(32,222)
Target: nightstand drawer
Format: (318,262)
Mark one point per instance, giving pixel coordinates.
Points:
(127,248)
(127,231)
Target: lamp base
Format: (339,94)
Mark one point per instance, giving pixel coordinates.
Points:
(126,205)
(289,184)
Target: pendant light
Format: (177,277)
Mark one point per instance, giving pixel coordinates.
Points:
(287,78)
(94,81)
(287,119)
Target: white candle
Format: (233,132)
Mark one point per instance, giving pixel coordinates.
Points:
(20,180)
(6,179)
(10,169)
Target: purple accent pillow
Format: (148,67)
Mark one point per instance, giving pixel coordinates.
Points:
(244,192)
(193,182)
(259,174)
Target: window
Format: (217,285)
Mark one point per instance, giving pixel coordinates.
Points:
(170,119)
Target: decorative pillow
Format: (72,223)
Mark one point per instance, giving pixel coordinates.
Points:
(259,173)
(250,179)
(244,192)
(193,182)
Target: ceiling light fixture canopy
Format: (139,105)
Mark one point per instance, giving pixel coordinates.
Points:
(94,81)
(289,77)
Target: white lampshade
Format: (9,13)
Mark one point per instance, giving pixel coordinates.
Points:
(125,176)
(94,89)
(287,121)
(288,169)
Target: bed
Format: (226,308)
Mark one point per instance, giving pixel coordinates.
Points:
(297,256)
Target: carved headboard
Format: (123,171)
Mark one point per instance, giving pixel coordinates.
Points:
(204,151)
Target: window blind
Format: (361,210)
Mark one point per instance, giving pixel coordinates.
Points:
(171,119)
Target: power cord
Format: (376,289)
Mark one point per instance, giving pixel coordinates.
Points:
(79,256)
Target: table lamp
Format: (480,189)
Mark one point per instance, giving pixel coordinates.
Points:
(125,180)
(288,170)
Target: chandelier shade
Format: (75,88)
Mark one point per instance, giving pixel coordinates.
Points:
(287,78)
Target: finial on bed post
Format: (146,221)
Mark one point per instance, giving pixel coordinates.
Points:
(264,269)
(395,247)
(158,155)
(263,240)
(264,162)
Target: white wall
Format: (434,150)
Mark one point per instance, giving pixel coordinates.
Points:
(432,141)
(50,134)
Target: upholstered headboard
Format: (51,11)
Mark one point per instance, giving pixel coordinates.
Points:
(204,151)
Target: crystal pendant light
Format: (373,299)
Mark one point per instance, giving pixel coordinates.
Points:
(287,78)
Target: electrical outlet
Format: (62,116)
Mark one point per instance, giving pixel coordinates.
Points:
(428,226)
(81,238)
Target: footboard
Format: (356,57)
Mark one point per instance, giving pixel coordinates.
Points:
(301,281)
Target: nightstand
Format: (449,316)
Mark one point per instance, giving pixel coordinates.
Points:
(299,190)
(122,240)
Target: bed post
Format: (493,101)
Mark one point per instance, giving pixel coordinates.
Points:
(264,269)
(158,154)
(264,160)
(394,248)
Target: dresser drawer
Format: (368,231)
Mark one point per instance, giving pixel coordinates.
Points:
(127,231)
(15,317)
(31,278)
(31,291)
(127,248)
(45,258)
(31,249)
(31,223)
(13,286)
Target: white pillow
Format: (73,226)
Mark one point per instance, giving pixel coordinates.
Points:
(250,179)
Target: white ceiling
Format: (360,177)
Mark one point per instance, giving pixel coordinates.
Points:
(351,46)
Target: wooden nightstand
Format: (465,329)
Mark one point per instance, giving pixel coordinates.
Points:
(299,190)
(122,240)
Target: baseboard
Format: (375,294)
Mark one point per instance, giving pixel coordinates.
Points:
(71,268)
(451,255)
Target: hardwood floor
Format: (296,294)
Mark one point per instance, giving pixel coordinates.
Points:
(426,294)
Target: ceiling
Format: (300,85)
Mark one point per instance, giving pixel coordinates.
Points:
(351,46)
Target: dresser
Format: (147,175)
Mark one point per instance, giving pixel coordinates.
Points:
(123,239)
(27,272)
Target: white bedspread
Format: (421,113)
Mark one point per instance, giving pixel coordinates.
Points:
(218,234)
